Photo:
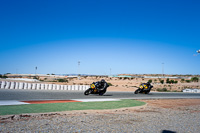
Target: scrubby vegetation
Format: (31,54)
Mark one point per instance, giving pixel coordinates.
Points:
(110,84)
(3,76)
(162,90)
(171,81)
(62,80)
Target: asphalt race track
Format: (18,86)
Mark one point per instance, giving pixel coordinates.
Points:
(6,94)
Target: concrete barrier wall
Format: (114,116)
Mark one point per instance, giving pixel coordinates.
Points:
(50,87)
(21,85)
(39,86)
(17,85)
(7,85)
(25,86)
(33,86)
(42,86)
(3,84)
(65,87)
(29,86)
(46,86)
(12,85)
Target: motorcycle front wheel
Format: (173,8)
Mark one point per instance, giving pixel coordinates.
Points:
(137,91)
(87,92)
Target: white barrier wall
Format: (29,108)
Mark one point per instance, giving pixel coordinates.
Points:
(7,85)
(38,86)
(29,86)
(21,85)
(69,87)
(3,84)
(76,87)
(80,87)
(73,87)
(57,87)
(25,86)
(61,87)
(54,87)
(46,86)
(33,86)
(17,85)
(12,85)
(65,87)
(42,86)
(50,87)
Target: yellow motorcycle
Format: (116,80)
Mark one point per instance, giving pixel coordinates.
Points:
(94,90)
(144,88)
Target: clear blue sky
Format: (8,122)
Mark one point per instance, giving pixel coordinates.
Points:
(126,36)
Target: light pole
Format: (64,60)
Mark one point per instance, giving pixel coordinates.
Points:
(163,69)
(35,73)
(79,69)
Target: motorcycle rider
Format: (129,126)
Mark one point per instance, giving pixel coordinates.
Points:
(102,85)
(144,85)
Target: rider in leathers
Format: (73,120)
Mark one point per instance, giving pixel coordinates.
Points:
(102,85)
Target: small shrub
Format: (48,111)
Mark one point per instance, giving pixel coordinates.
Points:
(195,79)
(188,81)
(162,81)
(164,89)
(182,80)
(158,89)
(109,84)
(62,80)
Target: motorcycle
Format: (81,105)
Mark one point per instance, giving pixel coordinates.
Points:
(94,90)
(144,88)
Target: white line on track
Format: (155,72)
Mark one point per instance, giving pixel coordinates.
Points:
(95,100)
(11,102)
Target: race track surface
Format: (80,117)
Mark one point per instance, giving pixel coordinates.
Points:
(6,94)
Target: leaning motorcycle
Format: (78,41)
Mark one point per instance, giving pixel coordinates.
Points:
(143,88)
(94,90)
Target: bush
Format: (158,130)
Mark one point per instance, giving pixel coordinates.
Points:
(195,79)
(171,81)
(162,90)
(62,80)
(150,81)
(109,84)
(188,81)
(182,80)
(162,81)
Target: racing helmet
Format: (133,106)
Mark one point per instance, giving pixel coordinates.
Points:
(103,81)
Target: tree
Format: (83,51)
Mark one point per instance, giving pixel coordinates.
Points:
(195,79)
(162,81)
(167,81)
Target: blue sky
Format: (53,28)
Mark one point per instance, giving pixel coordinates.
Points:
(127,36)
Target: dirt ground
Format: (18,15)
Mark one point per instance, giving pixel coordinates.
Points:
(172,103)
